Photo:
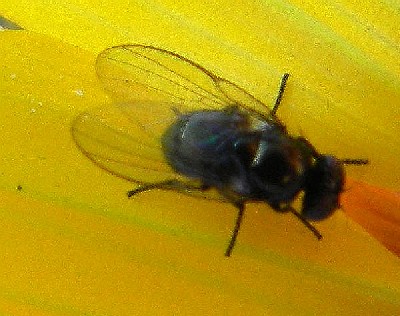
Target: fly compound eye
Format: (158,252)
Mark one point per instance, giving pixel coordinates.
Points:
(324,183)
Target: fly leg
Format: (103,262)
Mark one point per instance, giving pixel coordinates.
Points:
(235,232)
(280,94)
(239,203)
(311,227)
(240,206)
(288,208)
(172,185)
(176,185)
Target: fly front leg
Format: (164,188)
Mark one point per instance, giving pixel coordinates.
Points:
(283,208)
(306,223)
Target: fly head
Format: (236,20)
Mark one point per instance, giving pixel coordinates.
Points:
(323,185)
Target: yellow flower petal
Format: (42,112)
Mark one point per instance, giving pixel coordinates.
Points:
(73,244)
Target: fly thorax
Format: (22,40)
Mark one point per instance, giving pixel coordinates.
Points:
(278,166)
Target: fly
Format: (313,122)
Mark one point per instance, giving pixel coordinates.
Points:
(177,126)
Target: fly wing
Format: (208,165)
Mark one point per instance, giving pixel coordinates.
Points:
(111,140)
(135,72)
(151,86)
(138,72)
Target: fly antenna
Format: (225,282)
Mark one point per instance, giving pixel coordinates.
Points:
(347,161)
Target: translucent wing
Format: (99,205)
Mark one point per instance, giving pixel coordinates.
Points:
(137,72)
(150,86)
(121,146)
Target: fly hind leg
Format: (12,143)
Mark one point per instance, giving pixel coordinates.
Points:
(238,221)
(171,185)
